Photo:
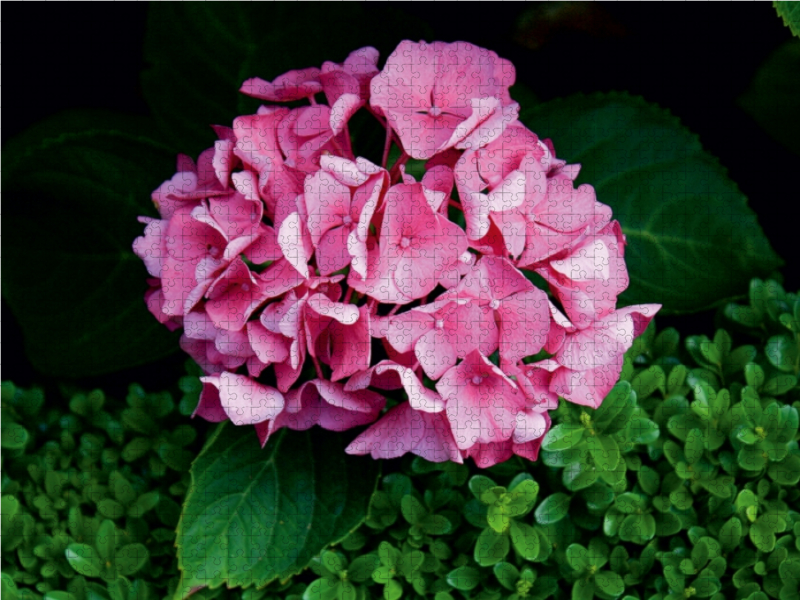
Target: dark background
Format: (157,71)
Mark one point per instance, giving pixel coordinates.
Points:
(692,59)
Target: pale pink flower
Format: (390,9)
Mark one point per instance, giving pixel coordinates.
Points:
(438,96)
(257,147)
(341,199)
(189,185)
(305,133)
(588,277)
(481,401)
(417,245)
(520,309)
(388,375)
(591,358)
(442,332)
(505,174)
(294,85)
(346,85)
(561,219)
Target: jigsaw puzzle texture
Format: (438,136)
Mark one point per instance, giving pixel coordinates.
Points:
(448,311)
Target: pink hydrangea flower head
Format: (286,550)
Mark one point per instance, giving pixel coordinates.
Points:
(312,285)
(438,96)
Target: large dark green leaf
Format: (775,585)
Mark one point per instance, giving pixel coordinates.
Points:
(692,240)
(200,53)
(255,514)
(773,98)
(74,186)
(790,13)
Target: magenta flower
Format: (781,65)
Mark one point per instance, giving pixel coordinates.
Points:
(311,283)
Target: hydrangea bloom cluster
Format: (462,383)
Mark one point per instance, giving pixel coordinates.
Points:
(316,287)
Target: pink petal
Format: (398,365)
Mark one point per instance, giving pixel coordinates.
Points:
(290,239)
(246,401)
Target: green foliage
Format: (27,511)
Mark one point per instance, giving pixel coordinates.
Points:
(92,175)
(658,494)
(773,97)
(84,517)
(676,205)
(790,13)
(683,483)
(256,514)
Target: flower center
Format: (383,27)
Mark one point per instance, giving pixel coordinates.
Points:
(245,287)
(494,304)
(477,380)
(213,251)
(347,220)
(405,242)
(435,111)
(439,324)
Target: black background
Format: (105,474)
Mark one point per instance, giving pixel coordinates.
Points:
(695,59)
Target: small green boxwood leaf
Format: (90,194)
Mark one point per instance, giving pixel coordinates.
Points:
(84,559)
(554,508)
(525,540)
(464,578)
(563,437)
(130,558)
(491,547)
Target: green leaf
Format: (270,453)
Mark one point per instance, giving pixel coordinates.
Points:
(257,514)
(480,484)
(638,529)
(526,540)
(333,561)
(321,589)
(554,508)
(617,404)
(105,540)
(730,534)
(563,437)
(643,431)
(783,353)
(583,589)
(507,574)
(491,547)
(188,87)
(786,472)
(648,381)
(762,533)
(610,583)
(130,558)
(361,568)
(393,590)
(577,557)
(605,452)
(91,173)
(412,509)
(578,476)
(523,497)
(13,436)
(693,449)
(498,518)
(773,97)
(84,559)
(678,209)
(463,578)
